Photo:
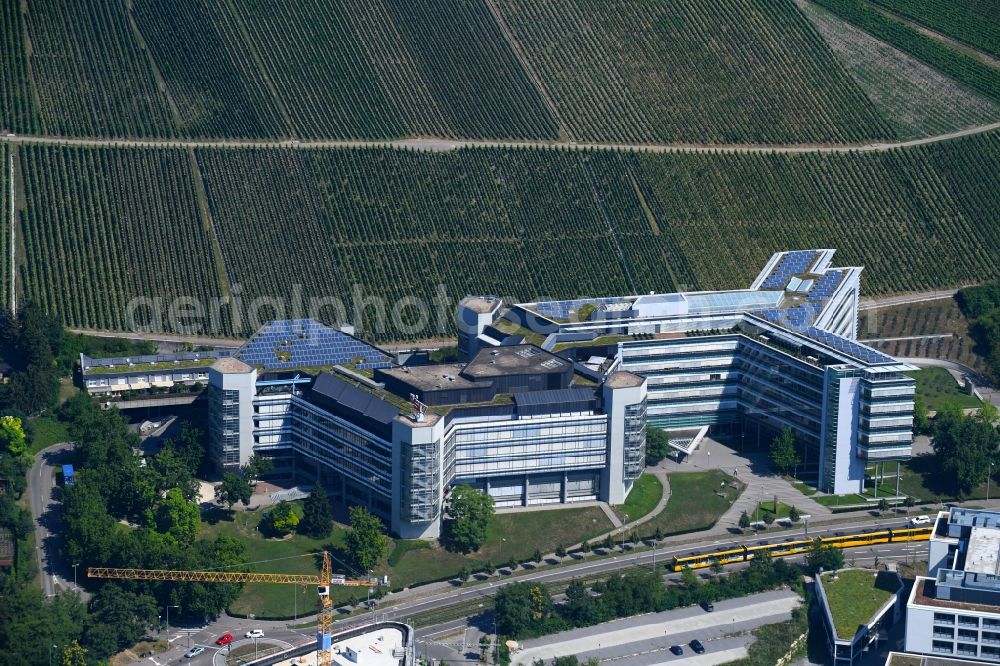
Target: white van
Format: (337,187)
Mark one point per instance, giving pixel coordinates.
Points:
(917,521)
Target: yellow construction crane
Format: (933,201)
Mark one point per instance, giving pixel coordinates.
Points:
(323,582)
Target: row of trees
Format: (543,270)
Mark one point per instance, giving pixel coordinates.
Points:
(526,609)
(965,447)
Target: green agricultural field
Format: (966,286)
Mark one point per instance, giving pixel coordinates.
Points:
(209,73)
(915,99)
(939,389)
(90,75)
(350,224)
(691,71)
(965,68)
(5,223)
(975,22)
(111,225)
(17,106)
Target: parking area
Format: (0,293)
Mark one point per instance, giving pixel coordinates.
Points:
(646,640)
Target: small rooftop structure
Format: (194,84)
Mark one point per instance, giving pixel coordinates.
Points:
(515,359)
(230,366)
(624,379)
(984,551)
(481,304)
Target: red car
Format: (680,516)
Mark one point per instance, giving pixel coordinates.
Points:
(224,639)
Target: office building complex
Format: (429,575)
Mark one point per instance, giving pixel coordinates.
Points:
(549,401)
(782,353)
(955,610)
(515,421)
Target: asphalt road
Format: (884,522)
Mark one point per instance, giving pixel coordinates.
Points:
(55,575)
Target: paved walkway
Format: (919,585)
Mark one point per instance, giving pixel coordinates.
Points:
(652,633)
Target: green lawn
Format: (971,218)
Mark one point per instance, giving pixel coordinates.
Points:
(840,500)
(938,388)
(781,512)
(693,503)
(804,488)
(288,555)
(521,534)
(855,596)
(46,431)
(922,481)
(645,495)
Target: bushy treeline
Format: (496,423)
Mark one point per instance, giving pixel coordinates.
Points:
(982,305)
(527,609)
(119,513)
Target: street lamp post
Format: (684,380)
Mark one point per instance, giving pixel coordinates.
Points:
(988,478)
(75,587)
(51,647)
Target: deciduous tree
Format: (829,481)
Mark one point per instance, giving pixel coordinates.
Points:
(366,539)
(317,519)
(782,452)
(233,489)
(469,514)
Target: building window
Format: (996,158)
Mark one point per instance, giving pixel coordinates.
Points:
(989,652)
(968,621)
(942,647)
(967,635)
(991,637)
(944,632)
(944,618)
(967,650)
(991,623)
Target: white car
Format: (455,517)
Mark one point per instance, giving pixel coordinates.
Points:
(920,520)
(255,633)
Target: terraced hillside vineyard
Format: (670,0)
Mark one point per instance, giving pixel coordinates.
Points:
(915,99)
(964,68)
(690,70)
(17,107)
(104,226)
(521,223)
(211,78)
(377,68)
(90,75)
(4,229)
(975,22)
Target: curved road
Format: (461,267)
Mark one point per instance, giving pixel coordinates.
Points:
(54,574)
(431,144)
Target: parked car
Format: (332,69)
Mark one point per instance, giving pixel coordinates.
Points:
(697,646)
(920,520)
(255,633)
(194,652)
(708,606)
(224,639)
(677,649)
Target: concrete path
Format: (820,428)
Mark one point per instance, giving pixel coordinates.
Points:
(653,633)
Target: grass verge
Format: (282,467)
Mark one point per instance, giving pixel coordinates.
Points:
(645,495)
(46,431)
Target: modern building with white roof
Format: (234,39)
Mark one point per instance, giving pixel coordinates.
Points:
(955,610)
(782,353)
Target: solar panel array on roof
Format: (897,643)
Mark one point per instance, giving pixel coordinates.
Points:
(795,318)
(825,286)
(849,347)
(304,343)
(792,263)
(798,319)
(562,309)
